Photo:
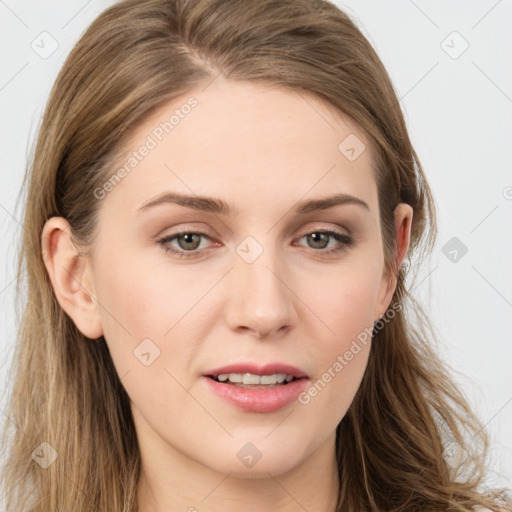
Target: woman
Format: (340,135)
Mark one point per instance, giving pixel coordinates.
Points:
(222,200)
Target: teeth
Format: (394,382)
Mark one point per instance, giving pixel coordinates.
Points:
(268,379)
(250,378)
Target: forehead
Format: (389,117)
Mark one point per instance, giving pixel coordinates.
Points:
(245,140)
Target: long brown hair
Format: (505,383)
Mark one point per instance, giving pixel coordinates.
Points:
(136,56)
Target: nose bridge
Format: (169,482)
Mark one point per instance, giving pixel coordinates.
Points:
(260,301)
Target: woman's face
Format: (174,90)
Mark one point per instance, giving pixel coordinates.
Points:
(254,287)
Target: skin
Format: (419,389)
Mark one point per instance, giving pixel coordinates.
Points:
(262,150)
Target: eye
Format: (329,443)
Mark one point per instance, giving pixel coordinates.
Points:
(328,242)
(186,242)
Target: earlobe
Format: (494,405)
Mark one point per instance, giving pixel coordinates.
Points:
(67,271)
(403,223)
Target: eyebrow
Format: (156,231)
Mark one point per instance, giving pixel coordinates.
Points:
(218,206)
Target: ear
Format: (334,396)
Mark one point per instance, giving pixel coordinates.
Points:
(68,271)
(403,222)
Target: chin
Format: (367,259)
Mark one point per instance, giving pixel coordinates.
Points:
(261,470)
(258,458)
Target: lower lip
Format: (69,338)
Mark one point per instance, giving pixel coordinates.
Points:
(258,400)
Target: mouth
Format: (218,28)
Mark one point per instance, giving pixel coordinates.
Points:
(252,376)
(259,389)
(254,381)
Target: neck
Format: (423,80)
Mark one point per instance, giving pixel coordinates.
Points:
(171,482)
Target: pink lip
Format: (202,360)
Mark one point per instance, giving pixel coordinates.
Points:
(267,369)
(258,400)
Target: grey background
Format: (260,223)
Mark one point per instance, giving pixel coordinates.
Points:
(458,106)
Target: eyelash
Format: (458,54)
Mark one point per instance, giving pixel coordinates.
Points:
(345,240)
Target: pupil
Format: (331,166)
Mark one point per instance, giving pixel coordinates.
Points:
(319,240)
(188,241)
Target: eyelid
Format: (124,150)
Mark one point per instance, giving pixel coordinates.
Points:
(326,228)
(203,231)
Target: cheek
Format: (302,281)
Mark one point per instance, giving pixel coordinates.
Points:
(344,299)
(141,301)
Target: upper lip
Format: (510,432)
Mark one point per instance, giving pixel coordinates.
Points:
(255,369)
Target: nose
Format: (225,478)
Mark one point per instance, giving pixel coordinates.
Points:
(260,299)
